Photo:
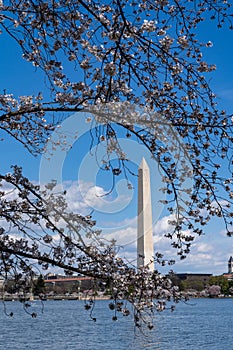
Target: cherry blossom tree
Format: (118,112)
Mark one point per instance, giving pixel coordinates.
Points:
(111,58)
(214,291)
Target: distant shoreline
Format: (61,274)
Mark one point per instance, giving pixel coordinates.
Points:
(88,297)
(55,297)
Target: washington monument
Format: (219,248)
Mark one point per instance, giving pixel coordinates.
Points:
(145,249)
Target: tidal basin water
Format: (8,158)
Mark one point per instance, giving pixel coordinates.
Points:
(65,325)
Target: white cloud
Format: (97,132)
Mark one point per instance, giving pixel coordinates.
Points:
(203,247)
(119,225)
(162,226)
(74,198)
(124,237)
(83,197)
(209,253)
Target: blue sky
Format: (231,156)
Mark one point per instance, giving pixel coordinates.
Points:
(210,252)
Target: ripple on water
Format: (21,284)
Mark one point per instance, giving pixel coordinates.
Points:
(65,325)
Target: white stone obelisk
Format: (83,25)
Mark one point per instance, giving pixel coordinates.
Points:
(145,247)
